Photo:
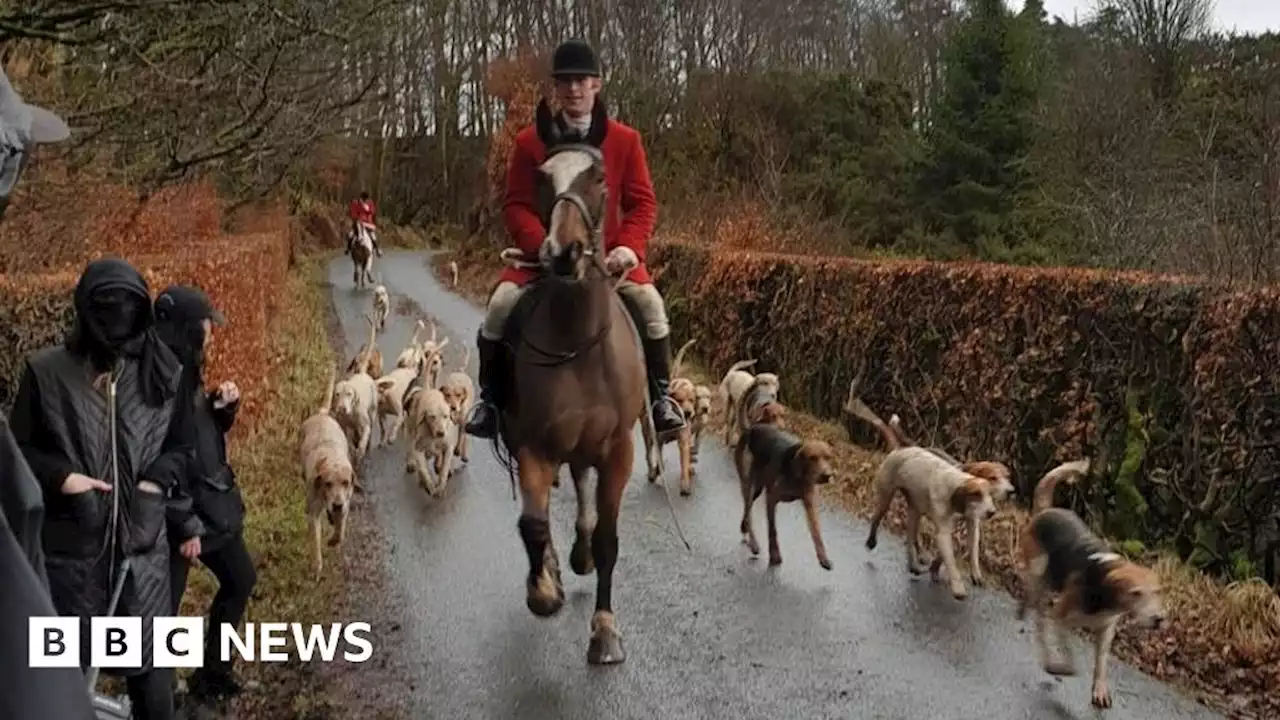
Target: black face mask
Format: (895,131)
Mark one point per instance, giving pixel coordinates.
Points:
(114,316)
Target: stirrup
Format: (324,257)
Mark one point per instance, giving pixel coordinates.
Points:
(670,402)
(470,421)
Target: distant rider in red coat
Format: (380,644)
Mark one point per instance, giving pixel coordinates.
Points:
(629,222)
(362,211)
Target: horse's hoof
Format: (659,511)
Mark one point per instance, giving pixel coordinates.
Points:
(685,492)
(543,605)
(605,648)
(653,477)
(580,559)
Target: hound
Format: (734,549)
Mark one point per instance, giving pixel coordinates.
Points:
(355,405)
(759,403)
(997,475)
(938,489)
(775,463)
(381,306)
(1096,587)
(434,434)
(392,388)
(731,389)
(412,353)
(459,392)
(431,350)
(327,470)
(701,416)
(684,392)
(368,357)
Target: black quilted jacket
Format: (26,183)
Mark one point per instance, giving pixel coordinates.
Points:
(62,420)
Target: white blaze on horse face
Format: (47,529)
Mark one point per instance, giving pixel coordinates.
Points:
(561,170)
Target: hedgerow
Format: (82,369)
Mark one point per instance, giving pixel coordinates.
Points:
(1162,380)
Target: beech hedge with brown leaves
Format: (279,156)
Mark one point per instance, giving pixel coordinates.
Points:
(1162,381)
(174,239)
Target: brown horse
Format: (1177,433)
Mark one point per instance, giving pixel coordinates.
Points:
(577,385)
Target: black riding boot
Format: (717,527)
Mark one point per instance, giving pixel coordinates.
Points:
(376,250)
(666,414)
(484,419)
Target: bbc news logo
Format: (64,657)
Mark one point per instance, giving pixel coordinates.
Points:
(116,642)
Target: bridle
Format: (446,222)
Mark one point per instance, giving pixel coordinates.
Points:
(595,224)
(596,227)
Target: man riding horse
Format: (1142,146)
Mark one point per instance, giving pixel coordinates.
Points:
(632,211)
(362,211)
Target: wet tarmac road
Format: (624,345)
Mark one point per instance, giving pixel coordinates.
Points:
(712,633)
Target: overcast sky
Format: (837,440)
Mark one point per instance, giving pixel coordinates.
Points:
(1244,16)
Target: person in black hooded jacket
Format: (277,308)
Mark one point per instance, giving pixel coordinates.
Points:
(98,421)
(185,319)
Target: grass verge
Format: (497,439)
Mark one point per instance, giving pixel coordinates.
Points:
(1224,639)
(266,464)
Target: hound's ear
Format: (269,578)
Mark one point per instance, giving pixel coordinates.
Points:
(545,125)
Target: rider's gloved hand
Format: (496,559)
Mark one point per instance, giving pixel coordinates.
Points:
(620,260)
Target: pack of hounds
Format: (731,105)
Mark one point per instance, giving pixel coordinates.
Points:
(1071,580)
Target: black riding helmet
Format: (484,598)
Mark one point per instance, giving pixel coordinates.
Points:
(575,58)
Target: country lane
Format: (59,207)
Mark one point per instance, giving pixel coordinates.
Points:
(711,633)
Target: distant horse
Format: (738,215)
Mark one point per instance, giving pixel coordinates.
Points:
(362,256)
(576,386)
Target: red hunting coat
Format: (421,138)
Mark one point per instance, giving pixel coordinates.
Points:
(632,204)
(362,212)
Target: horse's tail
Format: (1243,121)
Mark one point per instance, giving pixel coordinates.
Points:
(678,365)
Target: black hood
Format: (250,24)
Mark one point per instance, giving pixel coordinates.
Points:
(114,319)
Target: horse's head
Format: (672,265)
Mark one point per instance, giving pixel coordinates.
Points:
(572,195)
(364,236)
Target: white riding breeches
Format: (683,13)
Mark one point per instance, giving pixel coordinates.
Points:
(646,299)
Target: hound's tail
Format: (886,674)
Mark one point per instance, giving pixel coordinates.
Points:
(740,365)
(895,424)
(859,409)
(678,365)
(1042,499)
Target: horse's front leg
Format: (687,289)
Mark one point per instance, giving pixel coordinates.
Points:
(544,591)
(580,559)
(605,647)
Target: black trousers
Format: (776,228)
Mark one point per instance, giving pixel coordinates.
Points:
(232,566)
(151,694)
